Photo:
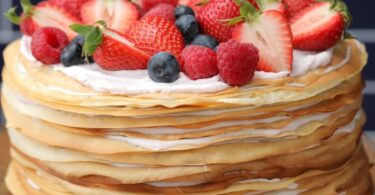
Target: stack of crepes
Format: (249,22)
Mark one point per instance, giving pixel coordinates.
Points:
(291,135)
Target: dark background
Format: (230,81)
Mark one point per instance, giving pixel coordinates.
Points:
(363,27)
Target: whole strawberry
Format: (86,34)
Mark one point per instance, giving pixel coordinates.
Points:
(319,33)
(213,15)
(42,15)
(146,5)
(73,6)
(154,34)
(237,62)
(199,62)
(163,10)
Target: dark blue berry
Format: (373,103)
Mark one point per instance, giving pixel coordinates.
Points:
(188,26)
(183,10)
(163,67)
(205,40)
(72,53)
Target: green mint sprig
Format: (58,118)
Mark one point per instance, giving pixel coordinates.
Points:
(93,36)
(27,10)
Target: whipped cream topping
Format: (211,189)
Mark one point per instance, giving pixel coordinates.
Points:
(134,82)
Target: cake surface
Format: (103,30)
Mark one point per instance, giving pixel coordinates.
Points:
(86,130)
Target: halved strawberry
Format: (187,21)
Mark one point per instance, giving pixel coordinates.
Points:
(73,6)
(146,5)
(294,6)
(117,53)
(154,34)
(118,14)
(274,5)
(42,15)
(270,33)
(319,26)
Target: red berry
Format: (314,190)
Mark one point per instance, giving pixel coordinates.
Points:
(28,26)
(237,62)
(163,10)
(148,4)
(117,53)
(211,18)
(47,44)
(200,62)
(74,6)
(294,6)
(154,34)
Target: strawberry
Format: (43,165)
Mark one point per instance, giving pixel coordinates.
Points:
(319,26)
(163,10)
(146,5)
(211,18)
(118,14)
(154,34)
(197,5)
(274,5)
(73,6)
(41,15)
(270,32)
(294,6)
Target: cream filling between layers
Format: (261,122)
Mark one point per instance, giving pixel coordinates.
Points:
(132,82)
(164,145)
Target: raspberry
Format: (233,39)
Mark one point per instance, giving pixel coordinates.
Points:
(47,44)
(200,62)
(237,62)
(163,10)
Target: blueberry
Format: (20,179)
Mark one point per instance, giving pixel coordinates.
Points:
(163,67)
(183,10)
(72,53)
(205,40)
(188,26)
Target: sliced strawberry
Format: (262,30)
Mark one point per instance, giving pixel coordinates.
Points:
(274,5)
(271,34)
(73,6)
(154,34)
(118,14)
(42,15)
(117,53)
(212,18)
(47,14)
(294,6)
(146,5)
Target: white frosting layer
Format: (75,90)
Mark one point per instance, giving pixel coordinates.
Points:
(133,82)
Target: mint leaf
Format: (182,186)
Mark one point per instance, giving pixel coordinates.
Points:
(12,16)
(93,37)
(27,7)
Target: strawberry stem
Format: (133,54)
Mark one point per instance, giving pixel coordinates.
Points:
(27,10)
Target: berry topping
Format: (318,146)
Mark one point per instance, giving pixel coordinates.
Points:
(213,15)
(188,26)
(111,50)
(73,6)
(183,10)
(237,62)
(42,15)
(319,26)
(156,34)
(162,10)
(294,6)
(148,4)
(199,62)
(197,5)
(47,44)
(163,67)
(205,40)
(72,54)
(270,32)
(118,14)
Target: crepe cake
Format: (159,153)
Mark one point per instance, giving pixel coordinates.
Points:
(112,111)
